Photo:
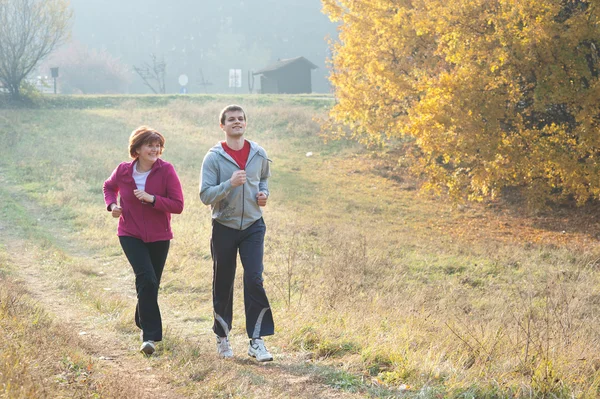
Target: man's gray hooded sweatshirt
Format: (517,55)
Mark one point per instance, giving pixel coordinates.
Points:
(234,207)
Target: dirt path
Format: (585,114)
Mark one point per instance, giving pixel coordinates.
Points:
(116,353)
(114,356)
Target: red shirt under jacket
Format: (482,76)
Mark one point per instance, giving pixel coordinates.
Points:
(239,156)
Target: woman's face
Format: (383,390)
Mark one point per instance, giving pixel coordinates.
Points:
(149,152)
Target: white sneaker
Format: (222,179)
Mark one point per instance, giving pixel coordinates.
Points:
(257,349)
(224,348)
(148,348)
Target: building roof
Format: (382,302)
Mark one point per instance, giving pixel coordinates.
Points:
(283,63)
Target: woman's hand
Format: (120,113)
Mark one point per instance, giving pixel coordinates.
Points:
(115,210)
(143,196)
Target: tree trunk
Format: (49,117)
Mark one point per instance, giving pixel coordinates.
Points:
(15,91)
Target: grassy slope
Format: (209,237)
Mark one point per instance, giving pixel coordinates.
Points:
(396,289)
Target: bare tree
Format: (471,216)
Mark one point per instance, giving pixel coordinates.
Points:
(153,74)
(29,31)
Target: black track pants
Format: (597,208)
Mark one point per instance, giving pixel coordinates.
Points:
(148,261)
(225,243)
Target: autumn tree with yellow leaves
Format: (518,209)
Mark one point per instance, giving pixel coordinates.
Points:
(492,93)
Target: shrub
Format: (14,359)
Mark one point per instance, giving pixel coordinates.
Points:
(86,71)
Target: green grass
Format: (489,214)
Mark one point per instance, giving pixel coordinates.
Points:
(374,279)
(150,101)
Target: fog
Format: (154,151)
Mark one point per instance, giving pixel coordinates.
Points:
(201,39)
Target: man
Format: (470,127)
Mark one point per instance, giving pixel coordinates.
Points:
(234,183)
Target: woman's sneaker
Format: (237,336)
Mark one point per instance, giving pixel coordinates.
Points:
(148,348)
(224,348)
(257,349)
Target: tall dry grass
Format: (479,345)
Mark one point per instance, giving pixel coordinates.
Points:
(359,274)
(41,359)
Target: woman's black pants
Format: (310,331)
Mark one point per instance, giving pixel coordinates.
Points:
(148,261)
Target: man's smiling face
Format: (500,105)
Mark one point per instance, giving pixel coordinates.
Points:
(235,124)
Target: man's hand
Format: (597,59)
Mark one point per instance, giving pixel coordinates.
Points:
(238,178)
(143,196)
(261,198)
(115,210)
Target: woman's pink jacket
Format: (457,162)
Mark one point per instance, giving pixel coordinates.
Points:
(145,221)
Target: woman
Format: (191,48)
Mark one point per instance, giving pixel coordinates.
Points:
(150,192)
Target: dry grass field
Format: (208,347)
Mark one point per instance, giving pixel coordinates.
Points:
(378,289)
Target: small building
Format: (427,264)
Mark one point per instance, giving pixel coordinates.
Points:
(291,76)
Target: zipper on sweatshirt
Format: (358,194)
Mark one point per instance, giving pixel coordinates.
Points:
(244,185)
(244,192)
(243,202)
(153,170)
(145,224)
(144,210)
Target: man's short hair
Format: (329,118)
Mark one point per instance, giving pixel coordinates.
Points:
(232,107)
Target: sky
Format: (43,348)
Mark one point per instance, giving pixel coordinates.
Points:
(201,39)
